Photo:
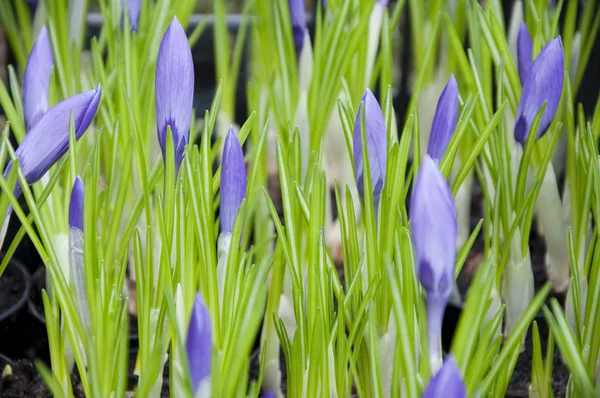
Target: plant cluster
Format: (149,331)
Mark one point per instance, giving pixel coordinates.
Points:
(323,227)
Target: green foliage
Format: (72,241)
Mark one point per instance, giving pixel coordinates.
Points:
(151,236)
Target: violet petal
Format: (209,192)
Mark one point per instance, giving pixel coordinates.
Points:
(233,181)
(133,6)
(48,139)
(37,78)
(298,21)
(447,382)
(376,135)
(444,121)
(174,88)
(544,83)
(76,205)
(199,342)
(524,50)
(433,230)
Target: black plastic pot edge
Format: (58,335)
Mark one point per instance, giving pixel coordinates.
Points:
(23,300)
(14,315)
(31,306)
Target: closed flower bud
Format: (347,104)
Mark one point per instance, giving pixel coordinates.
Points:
(447,382)
(199,345)
(543,84)
(233,181)
(174,89)
(524,50)
(444,121)
(133,8)
(433,231)
(37,78)
(298,21)
(48,139)
(76,205)
(375,132)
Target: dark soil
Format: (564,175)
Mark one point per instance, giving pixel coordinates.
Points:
(521,378)
(26,382)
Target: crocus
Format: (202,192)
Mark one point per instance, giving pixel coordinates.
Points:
(48,139)
(433,231)
(133,8)
(36,79)
(524,50)
(76,205)
(444,121)
(76,262)
(298,20)
(174,89)
(542,82)
(376,135)
(233,181)
(447,382)
(199,345)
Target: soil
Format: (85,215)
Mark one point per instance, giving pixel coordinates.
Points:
(521,378)
(26,382)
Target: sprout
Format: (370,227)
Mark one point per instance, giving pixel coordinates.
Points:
(542,83)
(233,181)
(376,135)
(36,79)
(447,382)
(174,89)
(199,347)
(48,139)
(433,230)
(444,121)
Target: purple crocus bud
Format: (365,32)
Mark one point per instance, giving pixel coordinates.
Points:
(376,135)
(447,382)
(133,7)
(48,139)
(444,121)
(269,394)
(174,89)
(524,50)
(37,78)
(32,4)
(76,205)
(543,83)
(298,20)
(433,231)
(233,181)
(199,343)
